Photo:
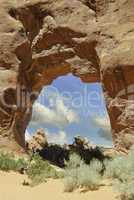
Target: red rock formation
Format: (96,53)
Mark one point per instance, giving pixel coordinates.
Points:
(41,40)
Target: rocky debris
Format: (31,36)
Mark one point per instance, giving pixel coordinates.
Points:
(111,152)
(80,141)
(38,141)
(41,40)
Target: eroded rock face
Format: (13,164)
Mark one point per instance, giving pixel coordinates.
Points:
(41,40)
(38,141)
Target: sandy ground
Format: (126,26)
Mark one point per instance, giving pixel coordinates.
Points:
(11,188)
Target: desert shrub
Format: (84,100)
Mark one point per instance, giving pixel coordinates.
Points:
(36,168)
(121,170)
(74,161)
(78,174)
(71,172)
(89,175)
(71,180)
(8,162)
(39,170)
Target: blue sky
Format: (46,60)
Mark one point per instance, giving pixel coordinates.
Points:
(68,108)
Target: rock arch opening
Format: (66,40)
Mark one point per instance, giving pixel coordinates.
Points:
(69,107)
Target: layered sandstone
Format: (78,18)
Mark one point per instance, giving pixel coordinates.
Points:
(41,40)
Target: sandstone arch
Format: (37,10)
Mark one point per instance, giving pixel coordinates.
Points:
(44,39)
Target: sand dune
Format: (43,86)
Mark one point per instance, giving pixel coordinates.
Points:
(11,188)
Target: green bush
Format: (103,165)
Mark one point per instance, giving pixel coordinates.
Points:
(89,175)
(70,183)
(74,161)
(121,170)
(80,175)
(71,173)
(8,162)
(36,168)
(39,170)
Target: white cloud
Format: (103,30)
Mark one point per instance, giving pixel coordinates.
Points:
(59,115)
(69,114)
(57,138)
(103,123)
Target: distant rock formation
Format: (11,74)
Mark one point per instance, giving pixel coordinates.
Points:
(41,40)
(38,141)
(83,142)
